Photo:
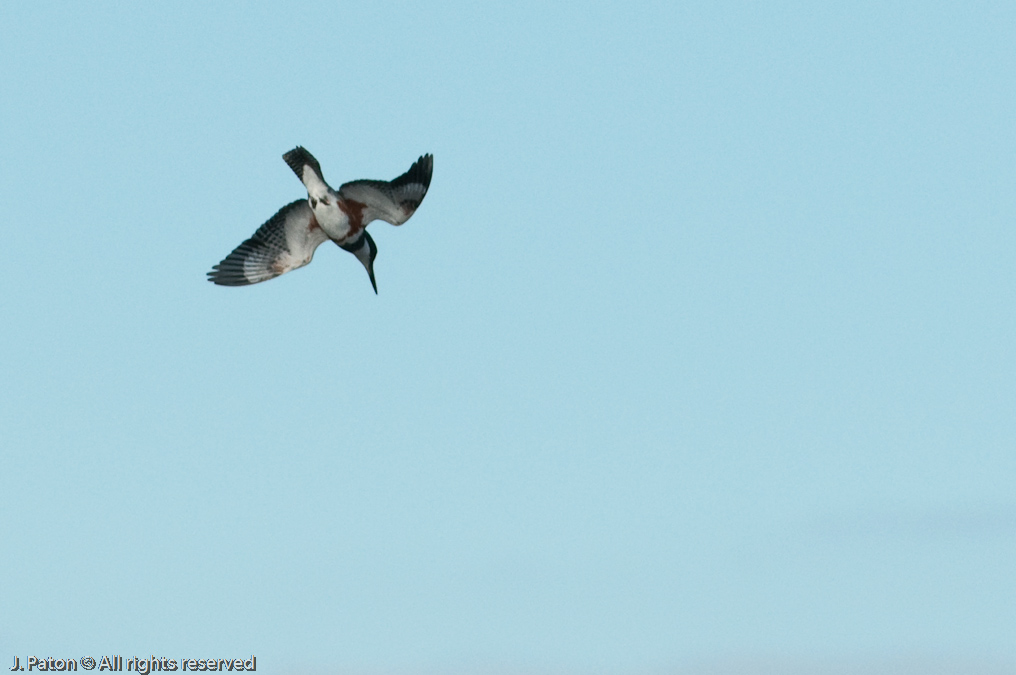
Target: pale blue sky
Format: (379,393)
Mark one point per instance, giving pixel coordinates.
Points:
(699,350)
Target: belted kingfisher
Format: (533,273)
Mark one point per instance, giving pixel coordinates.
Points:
(290,237)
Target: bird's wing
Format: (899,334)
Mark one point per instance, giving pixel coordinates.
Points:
(308,170)
(391,201)
(287,241)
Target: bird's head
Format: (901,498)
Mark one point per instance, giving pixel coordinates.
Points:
(365,251)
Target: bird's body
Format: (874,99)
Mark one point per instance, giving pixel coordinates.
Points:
(288,240)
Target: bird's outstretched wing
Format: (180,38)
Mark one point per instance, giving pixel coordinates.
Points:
(308,170)
(287,241)
(298,158)
(391,201)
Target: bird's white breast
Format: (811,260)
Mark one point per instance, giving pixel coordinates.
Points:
(331,218)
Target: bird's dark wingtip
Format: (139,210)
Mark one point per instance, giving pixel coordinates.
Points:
(420,173)
(299,157)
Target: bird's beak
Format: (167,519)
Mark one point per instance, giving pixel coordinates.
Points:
(366,253)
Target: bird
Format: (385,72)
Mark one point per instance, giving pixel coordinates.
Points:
(288,239)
